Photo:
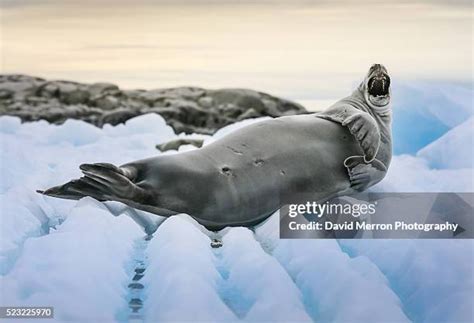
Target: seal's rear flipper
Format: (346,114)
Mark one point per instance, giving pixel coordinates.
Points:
(104,182)
(74,190)
(109,179)
(115,183)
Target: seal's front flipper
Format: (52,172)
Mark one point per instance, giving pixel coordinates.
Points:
(361,124)
(74,190)
(363,175)
(364,128)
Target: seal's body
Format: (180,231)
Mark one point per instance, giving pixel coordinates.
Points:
(241,178)
(247,175)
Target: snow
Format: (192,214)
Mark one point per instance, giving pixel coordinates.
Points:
(78,269)
(20,221)
(80,256)
(434,278)
(445,165)
(260,280)
(453,150)
(413,174)
(424,111)
(430,280)
(333,285)
(68,134)
(181,276)
(38,155)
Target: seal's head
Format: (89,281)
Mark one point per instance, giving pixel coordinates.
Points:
(376,87)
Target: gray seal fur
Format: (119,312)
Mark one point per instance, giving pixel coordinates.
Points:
(246,176)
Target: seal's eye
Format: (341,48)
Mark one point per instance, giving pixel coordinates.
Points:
(379,85)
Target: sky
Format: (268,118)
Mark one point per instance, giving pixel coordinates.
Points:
(296,49)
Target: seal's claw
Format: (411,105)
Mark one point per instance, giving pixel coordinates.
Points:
(365,145)
(370,154)
(362,175)
(361,135)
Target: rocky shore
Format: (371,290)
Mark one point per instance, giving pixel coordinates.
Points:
(185,109)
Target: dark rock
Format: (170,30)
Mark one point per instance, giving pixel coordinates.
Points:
(72,93)
(35,100)
(186,109)
(206,102)
(271,107)
(48,90)
(6,94)
(250,113)
(117,116)
(54,115)
(175,144)
(21,88)
(100,88)
(239,97)
(232,111)
(107,102)
(152,97)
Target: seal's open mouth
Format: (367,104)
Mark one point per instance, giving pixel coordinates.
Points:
(377,86)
